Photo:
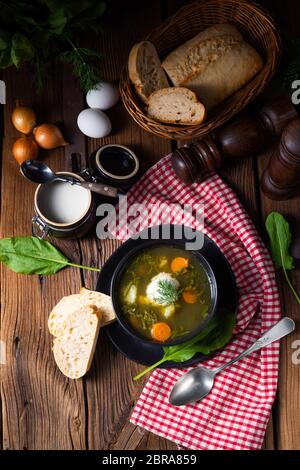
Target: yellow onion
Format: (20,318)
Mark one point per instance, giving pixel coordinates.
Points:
(48,136)
(24,119)
(25,148)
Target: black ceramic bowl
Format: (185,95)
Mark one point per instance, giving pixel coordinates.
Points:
(122,266)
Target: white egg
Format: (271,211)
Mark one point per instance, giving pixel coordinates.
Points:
(104,96)
(94,123)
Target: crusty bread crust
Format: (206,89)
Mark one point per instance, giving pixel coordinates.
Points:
(74,349)
(176,105)
(215,63)
(145,70)
(102,302)
(75,322)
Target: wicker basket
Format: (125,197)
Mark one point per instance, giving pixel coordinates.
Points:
(258,29)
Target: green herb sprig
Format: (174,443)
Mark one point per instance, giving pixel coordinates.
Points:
(280,238)
(167,292)
(216,334)
(39,31)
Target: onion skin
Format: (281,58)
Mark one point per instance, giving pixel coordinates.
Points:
(24,119)
(49,136)
(25,148)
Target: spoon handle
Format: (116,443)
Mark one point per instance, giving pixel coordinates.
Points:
(279,330)
(102,189)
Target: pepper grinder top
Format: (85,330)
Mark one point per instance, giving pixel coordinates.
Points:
(281,179)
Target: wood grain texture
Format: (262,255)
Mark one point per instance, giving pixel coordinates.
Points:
(110,388)
(37,402)
(287,407)
(40,408)
(286,413)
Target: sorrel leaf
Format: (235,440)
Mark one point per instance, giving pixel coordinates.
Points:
(215,335)
(29,255)
(280,239)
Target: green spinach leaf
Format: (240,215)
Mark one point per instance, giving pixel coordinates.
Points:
(57,20)
(219,336)
(214,336)
(29,255)
(21,49)
(5,59)
(280,239)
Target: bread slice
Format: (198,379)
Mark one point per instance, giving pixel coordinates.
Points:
(101,304)
(74,348)
(75,322)
(145,70)
(176,105)
(61,311)
(214,64)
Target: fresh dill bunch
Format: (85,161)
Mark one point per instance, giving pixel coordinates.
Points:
(84,67)
(39,32)
(167,292)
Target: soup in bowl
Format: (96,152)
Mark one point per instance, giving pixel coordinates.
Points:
(163,293)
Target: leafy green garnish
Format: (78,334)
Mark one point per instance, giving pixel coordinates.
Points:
(214,336)
(147,316)
(280,238)
(167,292)
(29,255)
(37,32)
(81,60)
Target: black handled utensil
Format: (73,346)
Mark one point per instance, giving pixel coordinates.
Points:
(40,173)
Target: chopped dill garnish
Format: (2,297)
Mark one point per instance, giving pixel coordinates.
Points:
(167,292)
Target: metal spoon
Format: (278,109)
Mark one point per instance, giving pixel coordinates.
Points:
(197,383)
(39,172)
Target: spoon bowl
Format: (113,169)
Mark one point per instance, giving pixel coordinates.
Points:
(37,171)
(40,173)
(193,386)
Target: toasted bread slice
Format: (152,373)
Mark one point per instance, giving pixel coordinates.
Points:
(145,70)
(176,105)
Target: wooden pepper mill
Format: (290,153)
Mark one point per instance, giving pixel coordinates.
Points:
(241,137)
(281,179)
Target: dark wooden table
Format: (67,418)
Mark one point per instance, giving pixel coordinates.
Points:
(40,408)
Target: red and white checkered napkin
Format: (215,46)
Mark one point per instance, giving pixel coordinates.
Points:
(236,412)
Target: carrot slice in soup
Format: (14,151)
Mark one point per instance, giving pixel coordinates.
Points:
(161,331)
(189,296)
(179,263)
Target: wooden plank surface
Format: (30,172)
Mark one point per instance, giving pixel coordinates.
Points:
(41,409)
(242,178)
(286,410)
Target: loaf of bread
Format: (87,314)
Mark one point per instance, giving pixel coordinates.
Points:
(75,322)
(176,105)
(145,70)
(214,64)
